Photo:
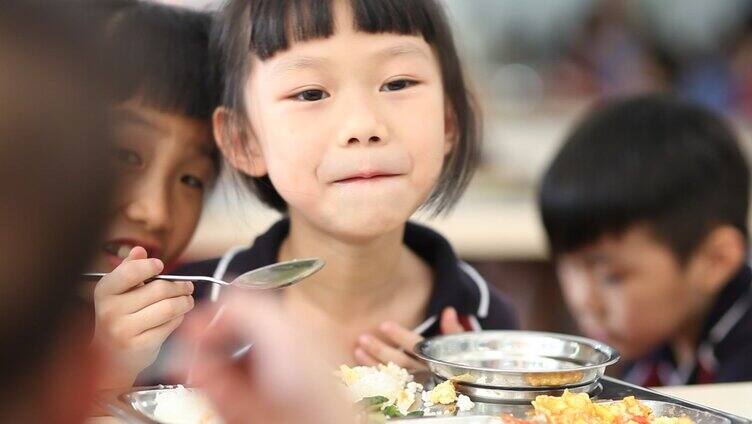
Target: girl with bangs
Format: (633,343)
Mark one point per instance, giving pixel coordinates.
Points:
(347,117)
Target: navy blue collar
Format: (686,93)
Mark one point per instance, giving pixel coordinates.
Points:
(451,286)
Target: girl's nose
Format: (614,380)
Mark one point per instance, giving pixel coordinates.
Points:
(372,139)
(149,205)
(364,125)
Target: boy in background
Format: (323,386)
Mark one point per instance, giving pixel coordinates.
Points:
(646,210)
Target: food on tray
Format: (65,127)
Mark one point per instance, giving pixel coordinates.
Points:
(390,391)
(442,394)
(571,408)
(184,406)
(539,379)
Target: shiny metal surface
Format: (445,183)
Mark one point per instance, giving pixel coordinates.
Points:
(494,395)
(270,277)
(144,401)
(516,359)
(137,407)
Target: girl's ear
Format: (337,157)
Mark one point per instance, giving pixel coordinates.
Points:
(238,145)
(451,132)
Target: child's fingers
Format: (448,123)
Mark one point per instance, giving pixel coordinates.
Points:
(161,312)
(157,335)
(400,336)
(364,358)
(384,353)
(137,252)
(450,322)
(141,297)
(127,275)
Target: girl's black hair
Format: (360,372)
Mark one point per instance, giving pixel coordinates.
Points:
(653,159)
(166,50)
(265,27)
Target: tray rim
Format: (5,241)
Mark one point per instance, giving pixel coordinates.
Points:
(688,403)
(613,355)
(112,401)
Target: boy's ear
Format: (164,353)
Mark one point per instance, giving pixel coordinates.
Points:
(451,132)
(719,257)
(238,145)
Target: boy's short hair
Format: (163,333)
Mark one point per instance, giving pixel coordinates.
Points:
(653,159)
(266,27)
(55,91)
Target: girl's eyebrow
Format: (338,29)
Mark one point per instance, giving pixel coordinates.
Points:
(401,49)
(127,116)
(298,63)
(306,62)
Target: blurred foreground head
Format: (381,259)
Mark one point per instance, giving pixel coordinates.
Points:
(54,137)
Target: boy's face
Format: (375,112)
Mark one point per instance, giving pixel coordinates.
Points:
(630,291)
(166,167)
(351,129)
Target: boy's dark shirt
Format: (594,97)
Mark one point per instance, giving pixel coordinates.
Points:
(724,353)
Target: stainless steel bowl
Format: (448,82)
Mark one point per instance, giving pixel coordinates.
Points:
(516,360)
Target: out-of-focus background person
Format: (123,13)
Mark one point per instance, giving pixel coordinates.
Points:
(54,138)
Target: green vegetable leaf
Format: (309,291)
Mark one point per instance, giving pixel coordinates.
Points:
(393,411)
(372,401)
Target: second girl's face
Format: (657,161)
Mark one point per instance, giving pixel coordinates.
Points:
(351,129)
(166,166)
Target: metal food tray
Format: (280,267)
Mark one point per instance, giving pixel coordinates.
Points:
(133,406)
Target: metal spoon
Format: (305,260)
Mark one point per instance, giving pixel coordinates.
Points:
(274,276)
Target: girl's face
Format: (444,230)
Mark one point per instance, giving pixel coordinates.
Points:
(351,129)
(165,162)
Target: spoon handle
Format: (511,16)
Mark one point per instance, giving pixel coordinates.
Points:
(194,278)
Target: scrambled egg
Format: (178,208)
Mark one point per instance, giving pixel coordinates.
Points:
(442,394)
(445,394)
(571,408)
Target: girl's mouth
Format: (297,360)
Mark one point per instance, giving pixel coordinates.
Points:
(365,177)
(117,250)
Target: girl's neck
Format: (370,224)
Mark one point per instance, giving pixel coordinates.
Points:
(359,276)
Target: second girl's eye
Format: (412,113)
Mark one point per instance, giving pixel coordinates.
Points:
(311,95)
(612,278)
(127,156)
(192,181)
(397,85)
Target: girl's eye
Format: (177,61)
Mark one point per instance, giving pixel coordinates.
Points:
(612,279)
(192,181)
(312,95)
(398,85)
(127,156)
